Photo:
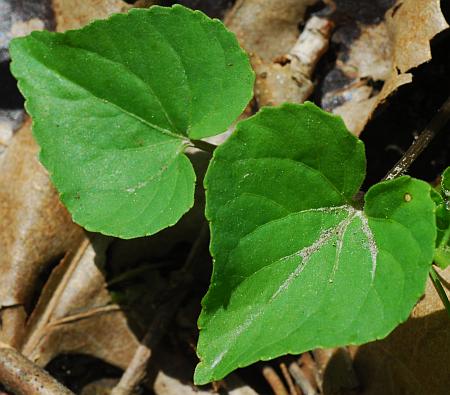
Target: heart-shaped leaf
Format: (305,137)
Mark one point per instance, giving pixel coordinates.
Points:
(298,263)
(116,103)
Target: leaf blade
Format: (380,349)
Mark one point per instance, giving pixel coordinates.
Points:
(305,277)
(149,77)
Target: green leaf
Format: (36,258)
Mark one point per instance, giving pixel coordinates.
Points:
(116,103)
(445,183)
(442,253)
(297,264)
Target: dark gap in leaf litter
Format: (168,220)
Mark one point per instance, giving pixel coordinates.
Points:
(40,282)
(10,97)
(75,371)
(367,12)
(404,115)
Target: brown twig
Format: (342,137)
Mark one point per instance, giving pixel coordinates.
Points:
(288,379)
(301,379)
(137,367)
(423,140)
(274,381)
(21,376)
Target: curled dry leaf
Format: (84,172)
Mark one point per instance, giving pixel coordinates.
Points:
(75,312)
(267,28)
(412,24)
(35,228)
(382,52)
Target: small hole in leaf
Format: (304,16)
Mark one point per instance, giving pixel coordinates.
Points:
(407,197)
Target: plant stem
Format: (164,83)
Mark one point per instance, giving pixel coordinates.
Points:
(137,367)
(204,145)
(428,134)
(440,289)
(21,376)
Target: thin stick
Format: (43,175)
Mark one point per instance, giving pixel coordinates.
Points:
(428,134)
(301,379)
(274,381)
(137,367)
(288,379)
(439,289)
(22,377)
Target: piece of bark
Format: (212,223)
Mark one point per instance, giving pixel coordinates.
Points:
(283,60)
(35,227)
(289,77)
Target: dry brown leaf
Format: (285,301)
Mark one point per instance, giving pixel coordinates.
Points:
(71,14)
(288,78)
(414,359)
(35,228)
(267,28)
(412,24)
(384,53)
(75,312)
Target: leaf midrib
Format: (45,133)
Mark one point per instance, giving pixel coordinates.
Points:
(247,323)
